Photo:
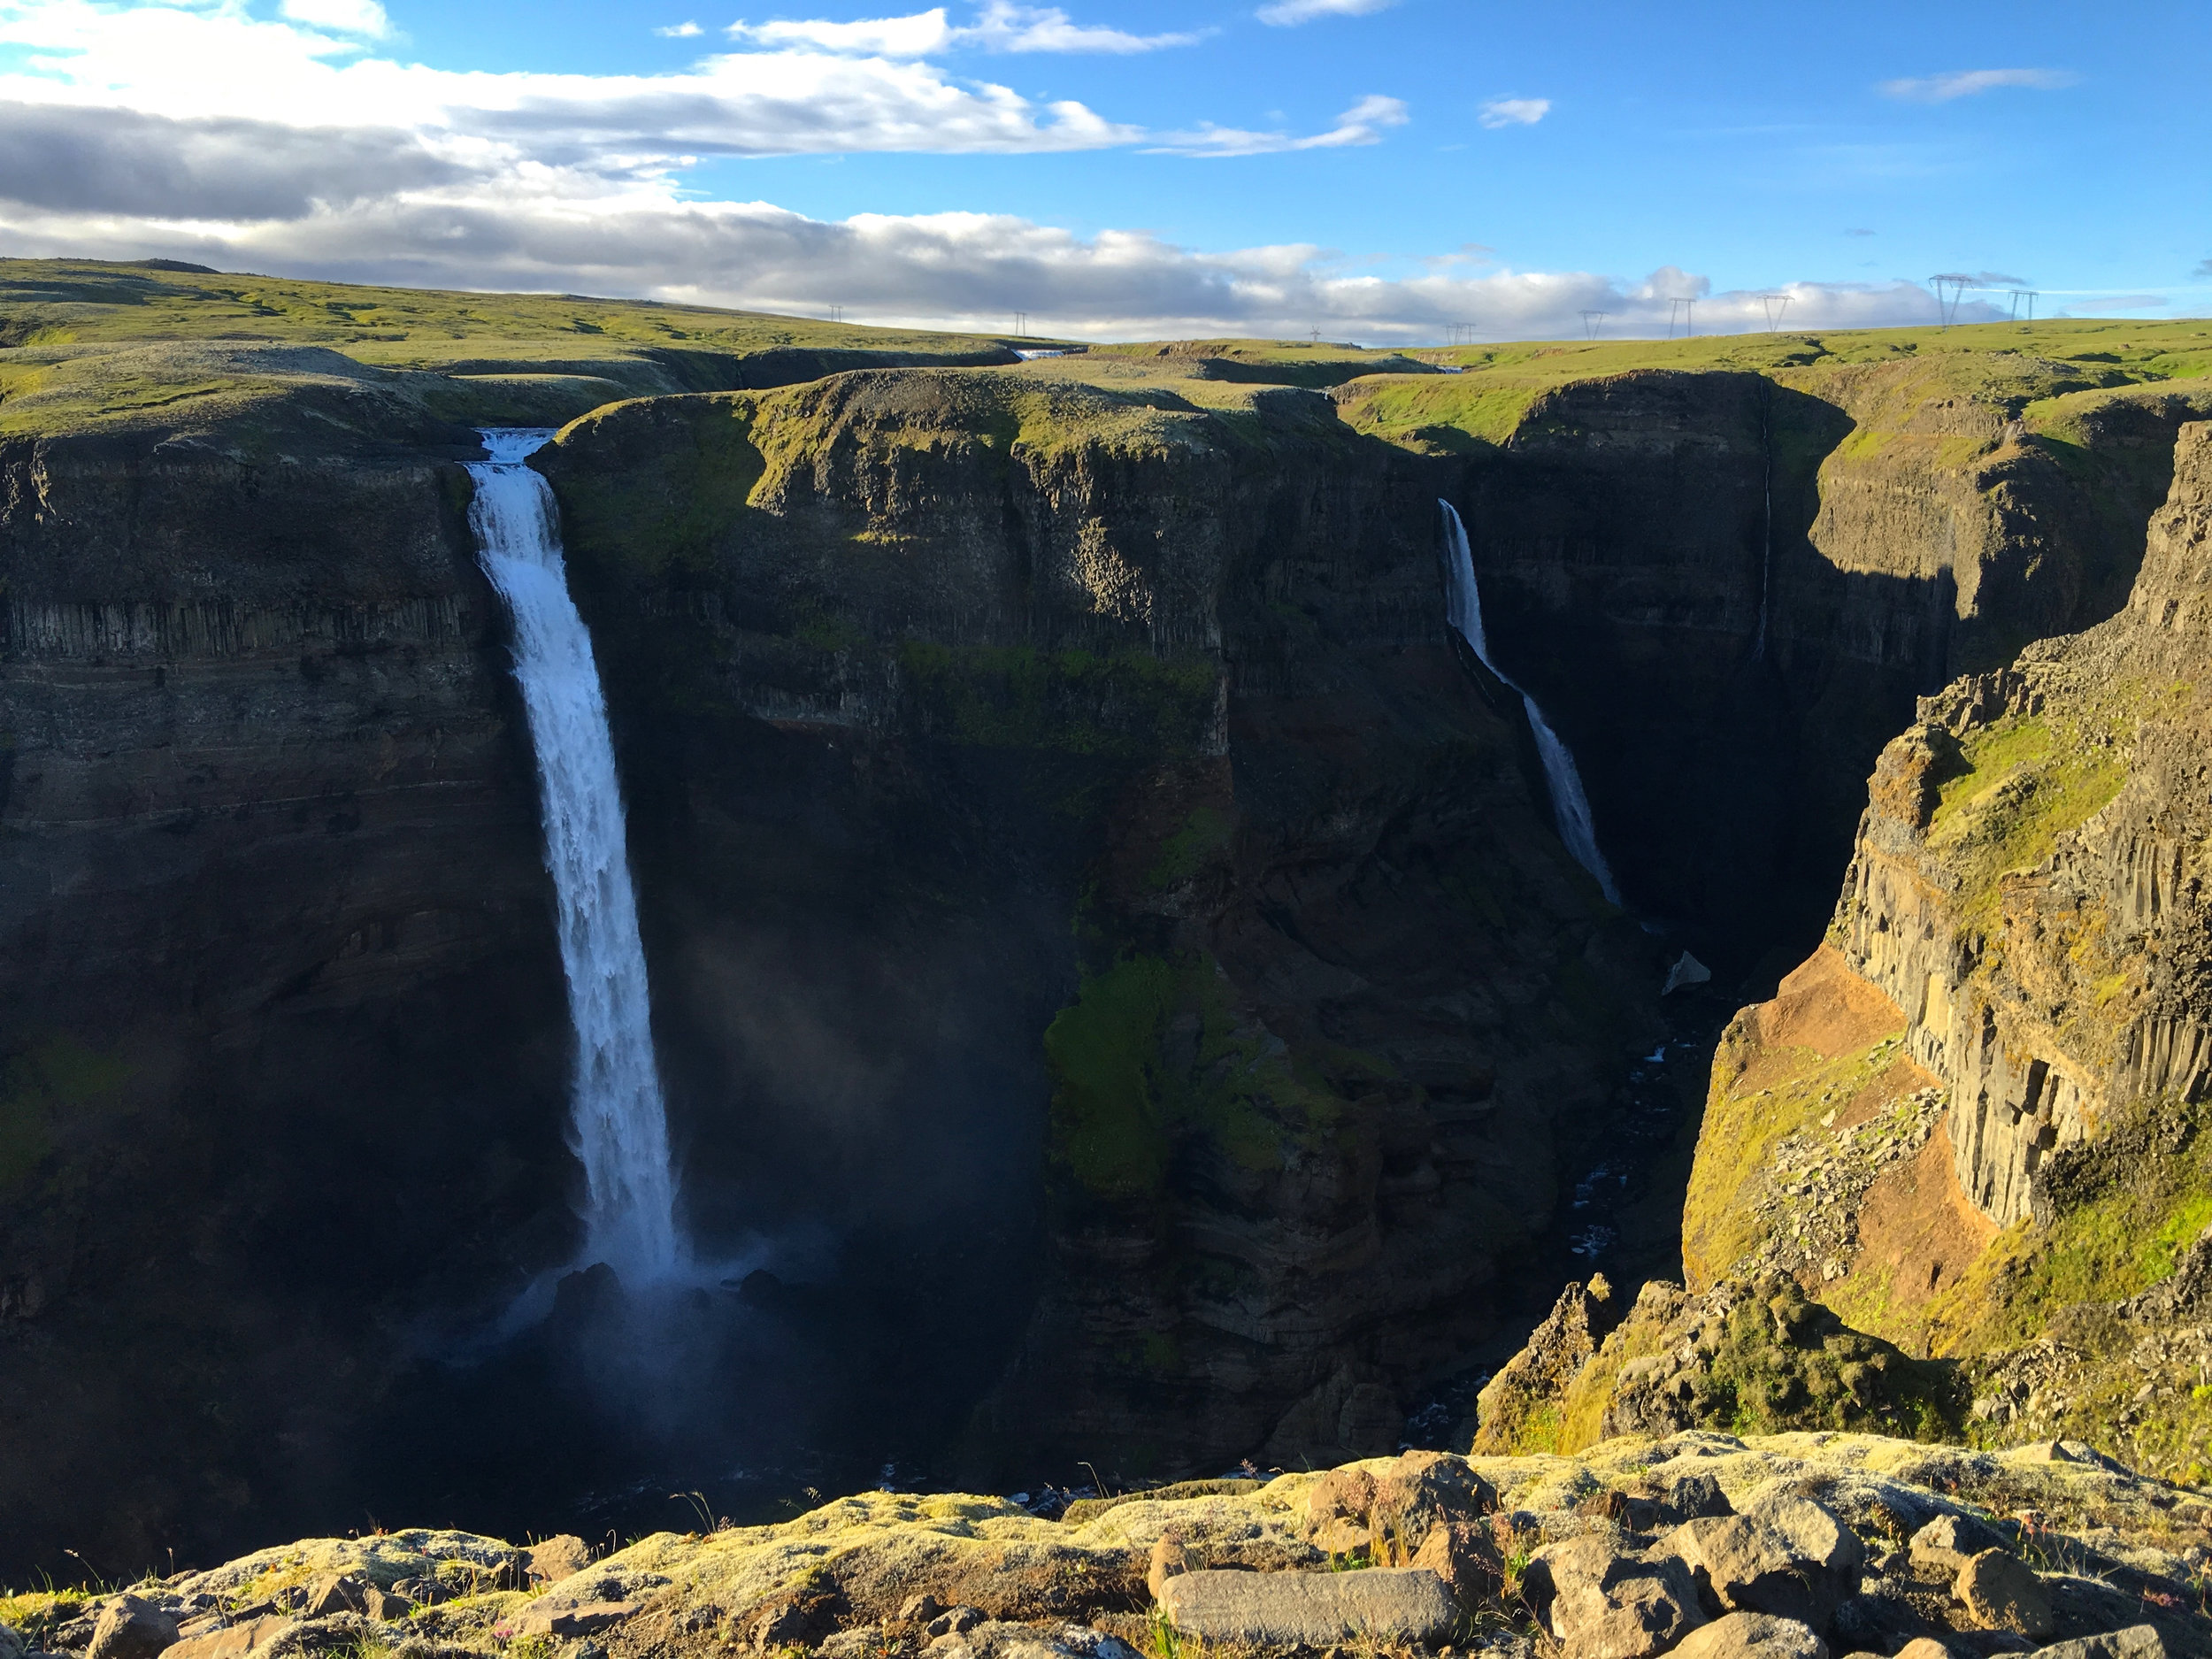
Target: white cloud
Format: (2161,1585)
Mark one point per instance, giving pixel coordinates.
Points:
(1964,83)
(1289,13)
(1001,26)
(1515,111)
(1362,124)
(680,31)
(1005,27)
(914,36)
(348,17)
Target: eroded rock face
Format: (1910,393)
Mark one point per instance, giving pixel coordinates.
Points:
(2046,999)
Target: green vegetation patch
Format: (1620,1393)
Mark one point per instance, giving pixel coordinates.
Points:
(2128,1204)
(1124,706)
(49,1085)
(2018,785)
(1151,1053)
(1741,1126)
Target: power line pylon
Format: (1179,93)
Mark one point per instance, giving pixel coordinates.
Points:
(1590,321)
(1947,304)
(1684,312)
(1778,307)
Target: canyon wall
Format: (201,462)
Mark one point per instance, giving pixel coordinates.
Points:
(1134,727)
(282,1015)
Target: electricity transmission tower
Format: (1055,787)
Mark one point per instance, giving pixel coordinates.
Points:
(1590,321)
(1950,289)
(837,313)
(2018,296)
(1685,313)
(1021,325)
(1777,306)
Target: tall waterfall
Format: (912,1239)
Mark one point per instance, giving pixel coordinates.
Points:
(619,1127)
(1570,806)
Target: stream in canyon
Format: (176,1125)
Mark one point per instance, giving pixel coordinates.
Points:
(619,1121)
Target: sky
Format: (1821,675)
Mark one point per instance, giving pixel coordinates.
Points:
(1388,172)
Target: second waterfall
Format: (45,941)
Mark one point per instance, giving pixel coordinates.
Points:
(1570,806)
(619,1121)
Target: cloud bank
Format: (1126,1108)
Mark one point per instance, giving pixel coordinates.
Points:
(120,137)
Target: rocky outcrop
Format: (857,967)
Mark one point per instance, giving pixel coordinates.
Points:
(2026,884)
(1813,1544)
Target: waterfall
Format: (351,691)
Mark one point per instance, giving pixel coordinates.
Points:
(619,1127)
(1570,806)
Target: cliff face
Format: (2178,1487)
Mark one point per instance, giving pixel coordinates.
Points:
(283,1015)
(2026,885)
(1728,587)
(1130,728)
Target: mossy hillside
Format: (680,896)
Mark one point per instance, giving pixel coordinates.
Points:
(1150,1055)
(2127,1205)
(1766,1360)
(54,1089)
(1748,1109)
(435,359)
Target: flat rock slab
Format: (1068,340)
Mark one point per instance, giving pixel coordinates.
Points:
(234,1643)
(2138,1641)
(1310,1609)
(581,1619)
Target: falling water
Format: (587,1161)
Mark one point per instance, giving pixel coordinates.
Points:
(619,1127)
(1570,806)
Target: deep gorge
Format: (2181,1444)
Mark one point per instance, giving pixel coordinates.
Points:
(1108,937)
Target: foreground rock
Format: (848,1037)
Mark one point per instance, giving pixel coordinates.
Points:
(1801,1546)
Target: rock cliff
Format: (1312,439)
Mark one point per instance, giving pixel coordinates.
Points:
(1189,783)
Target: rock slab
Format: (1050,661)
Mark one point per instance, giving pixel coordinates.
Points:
(1310,1609)
(131,1628)
(1752,1636)
(236,1642)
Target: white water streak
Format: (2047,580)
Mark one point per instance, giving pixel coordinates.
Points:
(619,1127)
(1570,806)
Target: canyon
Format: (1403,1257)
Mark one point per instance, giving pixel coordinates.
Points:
(1120,992)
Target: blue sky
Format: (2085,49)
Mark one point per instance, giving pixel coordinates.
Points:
(1379,171)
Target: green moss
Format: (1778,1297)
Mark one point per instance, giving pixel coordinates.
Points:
(1150,1054)
(2124,1236)
(1743,1124)
(1201,838)
(44,1089)
(1126,706)
(2021,783)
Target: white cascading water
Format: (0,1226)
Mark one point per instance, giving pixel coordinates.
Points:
(620,1124)
(1570,806)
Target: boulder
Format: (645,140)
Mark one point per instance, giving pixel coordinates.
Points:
(1422,1490)
(955,1621)
(579,1619)
(1337,1507)
(1814,1533)
(131,1627)
(920,1609)
(2138,1641)
(1464,1554)
(1607,1603)
(1949,1542)
(1752,1635)
(383,1605)
(1169,1558)
(1312,1609)
(333,1593)
(557,1558)
(2000,1593)
(249,1637)
(1742,1566)
(1923,1647)
(12,1643)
